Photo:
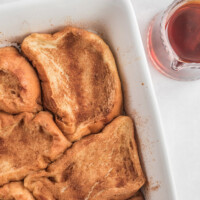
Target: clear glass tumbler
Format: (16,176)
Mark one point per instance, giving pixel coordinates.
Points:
(163,55)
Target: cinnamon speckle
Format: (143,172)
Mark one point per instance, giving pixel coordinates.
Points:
(155,188)
(152,185)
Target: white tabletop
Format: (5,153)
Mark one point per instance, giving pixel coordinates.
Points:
(179,103)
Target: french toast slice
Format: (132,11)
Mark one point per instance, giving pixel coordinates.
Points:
(100,166)
(19,84)
(15,191)
(79,78)
(28,143)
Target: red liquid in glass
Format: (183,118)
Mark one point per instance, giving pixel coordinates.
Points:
(184,32)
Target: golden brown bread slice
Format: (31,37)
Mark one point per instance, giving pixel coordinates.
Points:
(19,84)
(103,166)
(15,191)
(137,196)
(28,143)
(79,77)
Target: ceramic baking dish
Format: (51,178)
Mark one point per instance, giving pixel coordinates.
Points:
(115,21)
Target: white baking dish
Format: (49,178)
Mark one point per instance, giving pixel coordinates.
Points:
(115,21)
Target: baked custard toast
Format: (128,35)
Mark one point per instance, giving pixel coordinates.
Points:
(19,84)
(28,143)
(81,88)
(100,166)
(79,78)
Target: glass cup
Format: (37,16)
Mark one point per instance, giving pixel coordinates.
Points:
(163,56)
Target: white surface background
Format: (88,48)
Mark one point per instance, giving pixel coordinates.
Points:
(179,104)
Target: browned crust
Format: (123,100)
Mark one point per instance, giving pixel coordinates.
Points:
(74,127)
(28,143)
(93,169)
(19,84)
(15,191)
